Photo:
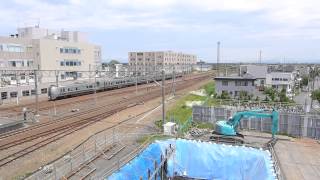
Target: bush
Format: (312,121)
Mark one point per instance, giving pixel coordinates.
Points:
(316,95)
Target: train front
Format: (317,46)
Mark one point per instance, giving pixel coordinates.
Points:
(53,92)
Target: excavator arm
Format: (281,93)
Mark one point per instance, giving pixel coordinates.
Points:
(229,127)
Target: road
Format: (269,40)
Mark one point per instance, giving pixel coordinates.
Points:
(304,97)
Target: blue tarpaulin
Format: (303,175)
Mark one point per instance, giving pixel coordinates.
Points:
(202,160)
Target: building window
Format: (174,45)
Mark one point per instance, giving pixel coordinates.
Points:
(4,95)
(33,92)
(13,94)
(62,76)
(61,63)
(44,91)
(26,93)
(70,50)
(224,83)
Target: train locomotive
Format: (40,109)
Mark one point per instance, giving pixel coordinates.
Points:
(100,84)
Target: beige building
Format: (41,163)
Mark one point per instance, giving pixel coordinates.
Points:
(69,52)
(59,55)
(147,62)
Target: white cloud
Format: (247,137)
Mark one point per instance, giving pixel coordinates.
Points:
(286,15)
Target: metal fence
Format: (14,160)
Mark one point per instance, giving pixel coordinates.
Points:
(294,124)
(85,153)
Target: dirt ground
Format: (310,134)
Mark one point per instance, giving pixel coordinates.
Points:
(52,151)
(299,158)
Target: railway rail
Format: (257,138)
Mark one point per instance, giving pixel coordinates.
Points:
(51,133)
(23,130)
(45,105)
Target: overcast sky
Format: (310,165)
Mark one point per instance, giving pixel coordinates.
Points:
(285,30)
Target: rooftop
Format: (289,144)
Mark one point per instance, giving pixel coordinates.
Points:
(236,77)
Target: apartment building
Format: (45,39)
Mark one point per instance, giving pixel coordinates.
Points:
(68,52)
(148,62)
(59,55)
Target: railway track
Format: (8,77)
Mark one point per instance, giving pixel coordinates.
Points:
(55,133)
(48,123)
(45,105)
(23,130)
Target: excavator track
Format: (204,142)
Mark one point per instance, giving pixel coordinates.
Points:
(220,138)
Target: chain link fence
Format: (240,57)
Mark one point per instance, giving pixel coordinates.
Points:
(105,144)
(294,124)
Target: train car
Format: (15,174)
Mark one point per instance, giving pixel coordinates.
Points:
(76,89)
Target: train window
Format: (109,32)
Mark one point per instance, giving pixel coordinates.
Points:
(90,86)
(4,95)
(26,93)
(68,89)
(33,92)
(44,91)
(76,89)
(13,94)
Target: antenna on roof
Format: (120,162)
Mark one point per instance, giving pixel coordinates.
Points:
(218,57)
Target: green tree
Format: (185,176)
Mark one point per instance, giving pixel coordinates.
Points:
(316,95)
(304,81)
(225,95)
(113,62)
(283,96)
(243,95)
(271,93)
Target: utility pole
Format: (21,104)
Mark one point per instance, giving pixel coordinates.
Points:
(36,89)
(173,81)
(218,57)
(163,97)
(136,74)
(57,78)
(95,87)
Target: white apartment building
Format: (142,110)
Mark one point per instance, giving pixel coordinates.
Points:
(281,80)
(148,62)
(61,54)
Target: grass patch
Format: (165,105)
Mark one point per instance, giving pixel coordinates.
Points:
(20,177)
(209,88)
(203,125)
(180,113)
(152,138)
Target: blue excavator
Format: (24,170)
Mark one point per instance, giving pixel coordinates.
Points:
(227,131)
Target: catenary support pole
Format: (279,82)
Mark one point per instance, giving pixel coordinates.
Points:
(163,97)
(36,89)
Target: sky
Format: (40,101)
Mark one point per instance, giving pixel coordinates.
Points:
(284,30)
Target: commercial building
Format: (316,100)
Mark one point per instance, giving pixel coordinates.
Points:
(234,85)
(59,55)
(281,80)
(148,62)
